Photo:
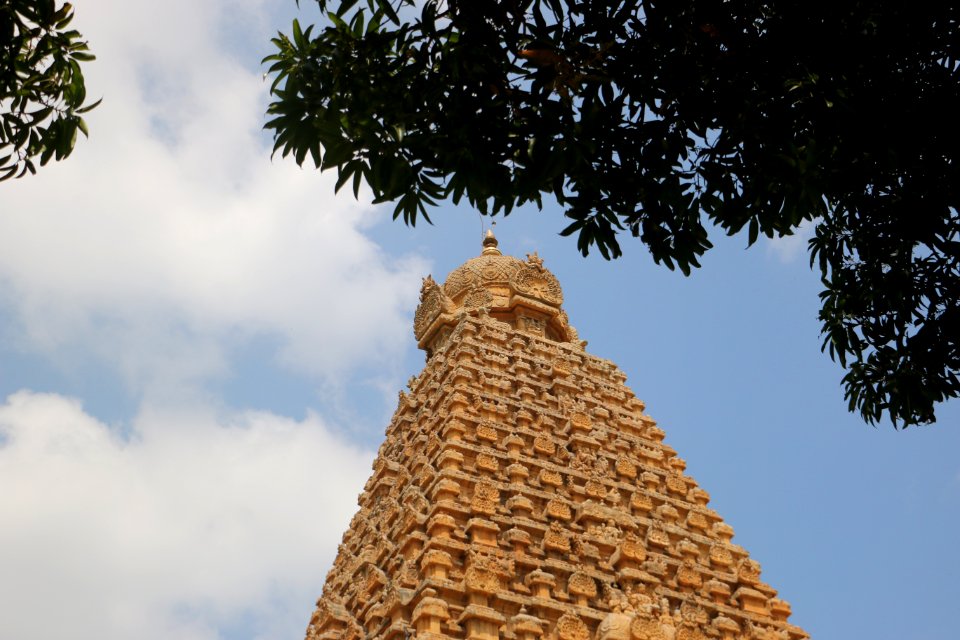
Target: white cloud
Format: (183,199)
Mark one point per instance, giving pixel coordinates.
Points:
(191,524)
(170,236)
(167,243)
(790,248)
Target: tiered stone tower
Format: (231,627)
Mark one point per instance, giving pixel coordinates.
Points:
(522,493)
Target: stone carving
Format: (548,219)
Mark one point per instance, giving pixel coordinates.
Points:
(749,571)
(540,583)
(486,572)
(584,550)
(539,283)
(526,627)
(436,564)
(641,502)
(478,298)
(581,421)
(486,498)
(613,497)
(718,591)
(690,633)
(571,627)
(427,286)
(555,539)
(780,609)
(655,622)
(520,506)
(616,626)
(558,509)
(522,494)
(487,462)
(697,520)
(676,484)
(430,612)
(595,489)
(551,478)
(432,302)
(656,565)
(725,627)
(625,467)
(630,553)
(544,445)
(657,536)
(580,584)
(720,555)
(487,432)
(688,576)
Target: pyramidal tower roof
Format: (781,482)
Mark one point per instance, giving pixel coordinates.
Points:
(522,493)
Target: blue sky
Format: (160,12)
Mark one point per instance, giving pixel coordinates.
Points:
(200,349)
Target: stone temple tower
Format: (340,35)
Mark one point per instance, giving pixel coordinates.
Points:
(523,494)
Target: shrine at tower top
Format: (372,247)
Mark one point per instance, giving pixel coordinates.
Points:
(522,493)
(523,294)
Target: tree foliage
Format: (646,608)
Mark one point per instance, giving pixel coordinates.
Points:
(42,91)
(663,119)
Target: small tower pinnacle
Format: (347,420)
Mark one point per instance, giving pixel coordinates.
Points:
(490,244)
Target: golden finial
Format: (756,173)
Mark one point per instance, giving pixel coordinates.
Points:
(490,244)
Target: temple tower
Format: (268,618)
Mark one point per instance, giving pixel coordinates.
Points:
(523,494)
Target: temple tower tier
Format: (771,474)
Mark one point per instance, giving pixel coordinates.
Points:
(523,494)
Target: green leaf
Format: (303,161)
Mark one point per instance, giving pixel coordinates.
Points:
(298,35)
(345,6)
(88,108)
(391,14)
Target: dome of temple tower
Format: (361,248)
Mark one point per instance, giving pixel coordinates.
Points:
(522,293)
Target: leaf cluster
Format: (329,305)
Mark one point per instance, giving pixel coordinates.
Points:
(42,91)
(661,119)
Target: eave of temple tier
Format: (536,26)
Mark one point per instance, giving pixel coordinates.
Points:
(522,493)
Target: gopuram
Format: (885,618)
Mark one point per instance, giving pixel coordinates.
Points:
(523,494)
